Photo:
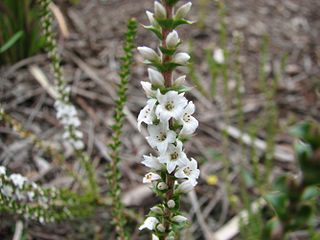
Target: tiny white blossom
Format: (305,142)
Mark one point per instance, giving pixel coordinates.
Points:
(157,210)
(160,137)
(172,39)
(18,180)
(78,144)
(150,177)
(156,78)
(150,223)
(189,171)
(186,186)
(183,11)
(147,87)
(159,10)
(148,54)
(170,105)
(181,58)
(152,162)
(179,219)
(147,114)
(174,157)
(2,170)
(180,81)
(218,55)
(189,123)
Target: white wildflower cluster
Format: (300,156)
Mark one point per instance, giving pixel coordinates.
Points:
(169,121)
(67,115)
(25,197)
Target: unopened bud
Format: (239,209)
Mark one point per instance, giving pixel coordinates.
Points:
(171,203)
(183,11)
(162,186)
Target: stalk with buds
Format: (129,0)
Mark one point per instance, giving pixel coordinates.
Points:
(169,120)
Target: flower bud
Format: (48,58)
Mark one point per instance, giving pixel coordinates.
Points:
(150,16)
(218,55)
(157,210)
(179,219)
(159,11)
(171,203)
(183,10)
(172,39)
(161,228)
(181,58)
(162,186)
(147,88)
(185,187)
(180,80)
(148,54)
(2,170)
(156,78)
(154,237)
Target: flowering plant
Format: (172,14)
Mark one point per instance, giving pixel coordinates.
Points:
(169,120)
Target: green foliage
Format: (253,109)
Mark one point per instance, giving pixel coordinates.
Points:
(20,30)
(114,175)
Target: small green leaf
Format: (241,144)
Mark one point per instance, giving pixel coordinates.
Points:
(11,41)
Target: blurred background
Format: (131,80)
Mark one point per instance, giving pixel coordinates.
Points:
(254,73)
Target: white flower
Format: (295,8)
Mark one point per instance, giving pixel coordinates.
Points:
(152,162)
(147,114)
(2,170)
(148,54)
(156,78)
(218,55)
(7,190)
(160,137)
(186,186)
(150,223)
(189,171)
(189,123)
(78,144)
(150,177)
(181,58)
(67,114)
(170,105)
(183,10)
(174,157)
(159,10)
(147,87)
(18,180)
(180,81)
(172,39)
(179,219)
(150,16)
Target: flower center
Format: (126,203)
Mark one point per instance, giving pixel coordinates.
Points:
(187,171)
(162,136)
(169,105)
(174,156)
(186,117)
(149,176)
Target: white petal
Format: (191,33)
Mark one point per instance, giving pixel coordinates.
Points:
(171,165)
(148,89)
(186,186)
(181,58)
(155,77)
(152,162)
(183,10)
(172,39)
(189,127)
(2,170)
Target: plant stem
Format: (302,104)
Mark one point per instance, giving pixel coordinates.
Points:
(170,180)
